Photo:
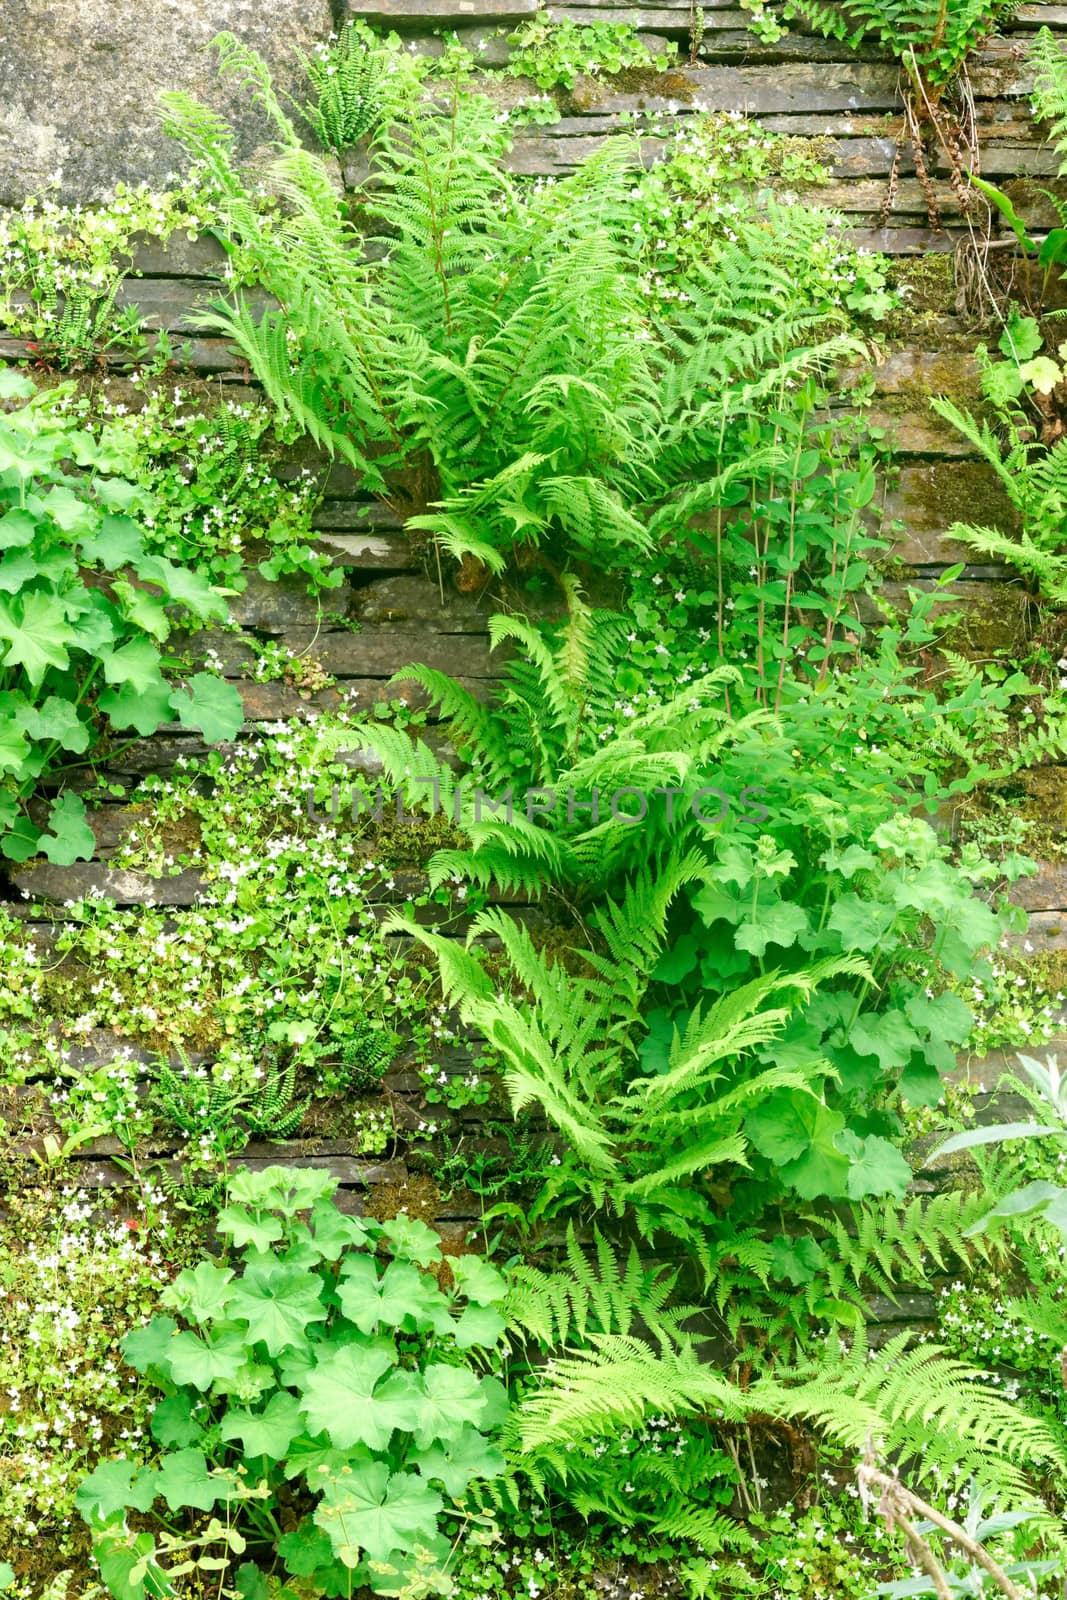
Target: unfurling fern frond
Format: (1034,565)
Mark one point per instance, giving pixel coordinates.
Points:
(249,71)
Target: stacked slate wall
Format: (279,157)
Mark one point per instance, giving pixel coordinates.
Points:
(78,80)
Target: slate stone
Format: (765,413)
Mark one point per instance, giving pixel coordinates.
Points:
(274,606)
(79,81)
(1045,891)
(44,881)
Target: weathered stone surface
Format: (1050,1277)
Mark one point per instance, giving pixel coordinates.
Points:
(177,304)
(344,515)
(1040,16)
(79,80)
(346,1169)
(428,14)
(409,601)
(794,88)
(929,498)
(196,355)
(992,618)
(47,882)
(674,19)
(368,552)
(180,257)
(904,241)
(274,606)
(372,653)
(277,702)
(1045,931)
(919,433)
(922,373)
(1046,890)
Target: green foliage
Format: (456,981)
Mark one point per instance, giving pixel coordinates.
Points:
(1008,1536)
(274,989)
(786,877)
(345,77)
(655,1107)
(934,1410)
(515,397)
(217,1111)
(62,269)
(84,609)
(211,469)
(556,54)
(763,959)
(931,38)
(326,1358)
(1043,1085)
(1033,478)
(724,178)
(580,1298)
(1049,99)
(76,1275)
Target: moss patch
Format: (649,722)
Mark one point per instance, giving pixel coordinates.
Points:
(993,626)
(417,1197)
(927,289)
(650,81)
(961,491)
(1042,797)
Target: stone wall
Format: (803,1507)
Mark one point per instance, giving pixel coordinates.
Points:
(78,80)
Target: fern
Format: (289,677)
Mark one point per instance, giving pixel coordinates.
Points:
(346,77)
(247,69)
(578,1299)
(571,1042)
(1035,485)
(492,372)
(553,731)
(1049,99)
(891,1246)
(912,1402)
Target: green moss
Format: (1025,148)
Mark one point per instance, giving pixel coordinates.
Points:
(927,282)
(417,1197)
(819,150)
(962,490)
(1043,802)
(993,626)
(650,81)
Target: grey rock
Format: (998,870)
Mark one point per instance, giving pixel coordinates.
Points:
(79,81)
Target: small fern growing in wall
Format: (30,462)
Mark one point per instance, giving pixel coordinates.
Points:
(346,79)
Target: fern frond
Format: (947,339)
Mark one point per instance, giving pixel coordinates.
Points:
(581,1297)
(1049,99)
(247,68)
